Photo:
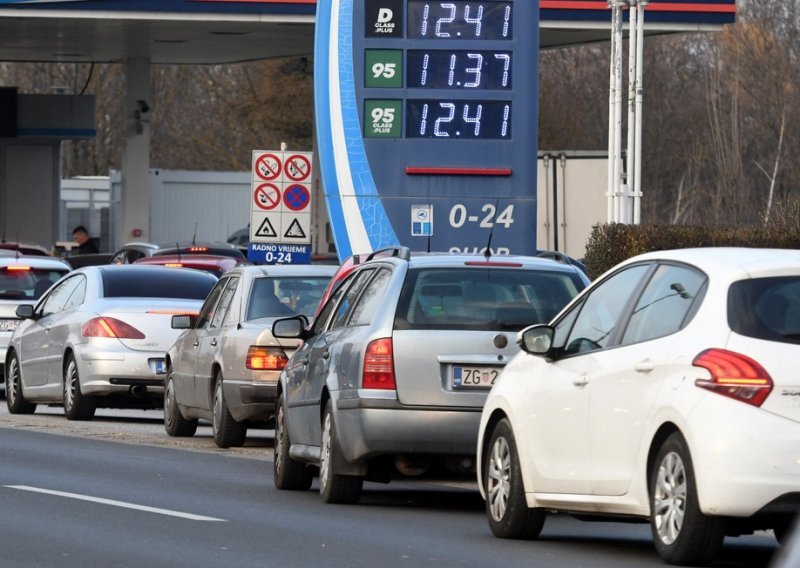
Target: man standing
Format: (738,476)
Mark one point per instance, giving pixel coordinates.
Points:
(86,245)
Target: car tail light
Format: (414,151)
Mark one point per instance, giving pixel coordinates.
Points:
(503,263)
(110,327)
(173,265)
(17,267)
(266,358)
(734,375)
(198,249)
(379,365)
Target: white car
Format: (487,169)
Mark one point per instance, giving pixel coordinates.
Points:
(668,390)
(99,337)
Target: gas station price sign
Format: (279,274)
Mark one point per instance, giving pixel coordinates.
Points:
(430,103)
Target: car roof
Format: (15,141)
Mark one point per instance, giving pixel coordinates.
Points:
(730,262)
(285,270)
(424,259)
(35,261)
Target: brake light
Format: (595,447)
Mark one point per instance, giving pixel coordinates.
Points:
(266,358)
(493,263)
(734,375)
(110,327)
(173,312)
(17,267)
(173,265)
(379,365)
(198,249)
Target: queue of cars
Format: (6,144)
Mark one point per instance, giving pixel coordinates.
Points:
(662,392)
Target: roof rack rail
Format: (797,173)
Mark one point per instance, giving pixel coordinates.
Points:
(554,255)
(401,252)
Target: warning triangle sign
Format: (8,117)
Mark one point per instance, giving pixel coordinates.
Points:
(266,229)
(295,231)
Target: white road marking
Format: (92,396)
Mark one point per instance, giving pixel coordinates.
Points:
(115,503)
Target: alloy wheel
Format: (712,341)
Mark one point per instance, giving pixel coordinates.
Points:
(498,487)
(325,458)
(669,498)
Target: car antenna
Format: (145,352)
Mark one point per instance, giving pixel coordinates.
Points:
(488,252)
(194,236)
(17,251)
(178,250)
(429,243)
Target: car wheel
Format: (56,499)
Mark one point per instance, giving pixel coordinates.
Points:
(77,406)
(333,487)
(287,472)
(227,432)
(174,422)
(506,509)
(681,532)
(15,401)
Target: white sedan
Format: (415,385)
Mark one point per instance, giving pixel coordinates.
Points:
(668,391)
(99,337)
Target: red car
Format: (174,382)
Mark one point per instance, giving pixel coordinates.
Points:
(216,265)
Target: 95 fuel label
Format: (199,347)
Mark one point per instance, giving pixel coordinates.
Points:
(382,118)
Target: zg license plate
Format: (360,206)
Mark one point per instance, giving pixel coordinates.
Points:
(9,324)
(475,377)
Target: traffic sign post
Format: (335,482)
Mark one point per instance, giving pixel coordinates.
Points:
(280,212)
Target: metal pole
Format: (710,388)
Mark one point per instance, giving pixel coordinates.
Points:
(614,4)
(631,154)
(618,115)
(637,190)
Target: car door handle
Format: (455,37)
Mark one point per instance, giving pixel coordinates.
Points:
(581,381)
(326,354)
(214,342)
(196,342)
(305,361)
(644,366)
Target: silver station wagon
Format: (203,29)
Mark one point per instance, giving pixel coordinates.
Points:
(396,367)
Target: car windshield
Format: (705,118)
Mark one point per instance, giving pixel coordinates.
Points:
(25,282)
(285,296)
(766,308)
(481,298)
(156,282)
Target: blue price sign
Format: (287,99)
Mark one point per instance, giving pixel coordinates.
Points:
(428,102)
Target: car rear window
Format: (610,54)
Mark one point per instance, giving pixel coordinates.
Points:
(125,281)
(26,283)
(285,296)
(483,298)
(766,308)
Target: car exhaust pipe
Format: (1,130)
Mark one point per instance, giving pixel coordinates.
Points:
(411,466)
(138,390)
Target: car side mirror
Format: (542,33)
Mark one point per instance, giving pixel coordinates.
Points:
(290,328)
(185,321)
(25,311)
(536,339)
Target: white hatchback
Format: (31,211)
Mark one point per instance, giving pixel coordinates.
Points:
(668,390)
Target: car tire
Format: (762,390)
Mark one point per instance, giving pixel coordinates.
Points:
(287,473)
(15,401)
(682,534)
(506,509)
(174,422)
(228,433)
(334,487)
(77,406)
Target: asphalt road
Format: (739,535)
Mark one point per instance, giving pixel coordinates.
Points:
(117,491)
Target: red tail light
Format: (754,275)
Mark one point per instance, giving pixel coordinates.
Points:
(198,249)
(379,365)
(734,375)
(266,358)
(110,327)
(17,267)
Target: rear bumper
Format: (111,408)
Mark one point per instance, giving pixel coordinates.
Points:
(371,427)
(115,372)
(250,400)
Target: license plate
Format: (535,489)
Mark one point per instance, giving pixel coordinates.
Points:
(159,366)
(475,377)
(9,324)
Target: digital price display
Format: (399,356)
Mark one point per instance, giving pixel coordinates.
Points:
(460,20)
(426,123)
(439,69)
(458,119)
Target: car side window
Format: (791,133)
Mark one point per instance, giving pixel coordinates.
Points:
(224,302)
(58,296)
(118,258)
(367,305)
(598,319)
(340,315)
(78,294)
(664,304)
(327,309)
(207,311)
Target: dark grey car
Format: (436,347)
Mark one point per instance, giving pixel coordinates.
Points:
(395,369)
